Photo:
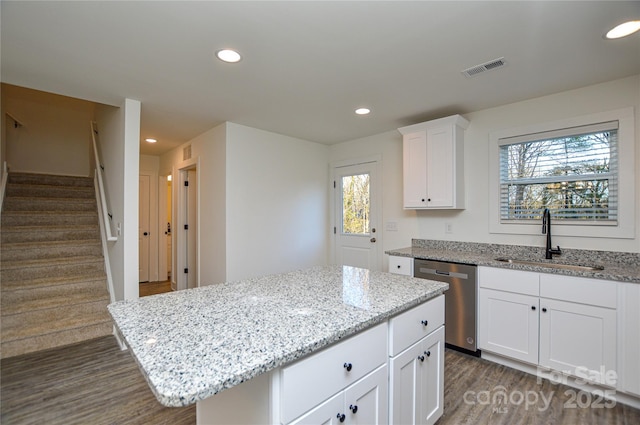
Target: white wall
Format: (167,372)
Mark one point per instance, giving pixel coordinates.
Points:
(472,224)
(55,138)
(119,130)
(263,202)
(277,203)
(210,149)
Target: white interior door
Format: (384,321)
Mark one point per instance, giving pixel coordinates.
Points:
(143,229)
(185,229)
(192,231)
(356,215)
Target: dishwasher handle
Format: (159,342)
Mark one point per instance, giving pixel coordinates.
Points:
(428,271)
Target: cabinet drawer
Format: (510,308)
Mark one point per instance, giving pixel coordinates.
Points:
(517,281)
(408,327)
(581,290)
(401,265)
(314,379)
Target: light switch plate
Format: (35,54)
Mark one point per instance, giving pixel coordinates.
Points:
(391,226)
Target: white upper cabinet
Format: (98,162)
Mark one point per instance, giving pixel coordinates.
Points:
(433,163)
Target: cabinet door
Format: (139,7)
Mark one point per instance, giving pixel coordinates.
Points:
(417,382)
(328,413)
(401,265)
(366,401)
(309,381)
(577,338)
(404,385)
(629,342)
(414,154)
(431,402)
(440,171)
(508,324)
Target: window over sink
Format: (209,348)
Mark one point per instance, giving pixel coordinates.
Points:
(571,171)
(581,169)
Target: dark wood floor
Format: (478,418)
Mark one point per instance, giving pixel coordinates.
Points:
(96,383)
(153,288)
(472,396)
(93,382)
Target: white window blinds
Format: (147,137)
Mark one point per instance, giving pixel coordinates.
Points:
(571,171)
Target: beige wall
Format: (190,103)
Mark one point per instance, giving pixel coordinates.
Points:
(55,138)
(472,224)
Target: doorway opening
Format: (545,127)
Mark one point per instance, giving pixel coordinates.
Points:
(144,223)
(186,226)
(356,214)
(165,244)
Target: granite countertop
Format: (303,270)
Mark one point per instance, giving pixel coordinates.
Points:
(618,266)
(195,343)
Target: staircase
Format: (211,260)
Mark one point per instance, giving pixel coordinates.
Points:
(53,286)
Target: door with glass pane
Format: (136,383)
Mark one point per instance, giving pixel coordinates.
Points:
(356,210)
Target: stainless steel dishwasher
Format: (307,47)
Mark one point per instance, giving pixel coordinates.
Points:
(460,301)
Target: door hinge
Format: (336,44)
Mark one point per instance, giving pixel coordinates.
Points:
(334,184)
(186,270)
(186,183)
(186,227)
(334,230)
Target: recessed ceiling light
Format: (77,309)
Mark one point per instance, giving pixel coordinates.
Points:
(228,55)
(150,140)
(363,111)
(623,30)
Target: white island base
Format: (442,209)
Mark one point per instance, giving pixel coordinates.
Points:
(392,372)
(329,344)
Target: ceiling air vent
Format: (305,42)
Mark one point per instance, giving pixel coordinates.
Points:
(487,66)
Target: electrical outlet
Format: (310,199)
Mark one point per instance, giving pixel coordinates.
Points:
(119,229)
(448,228)
(391,226)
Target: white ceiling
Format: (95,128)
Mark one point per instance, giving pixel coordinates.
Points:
(307,65)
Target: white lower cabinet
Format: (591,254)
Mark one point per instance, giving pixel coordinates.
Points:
(401,265)
(364,402)
(562,323)
(406,387)
(509,324)
(416,380)
(308,383)
(579,339)
(392,372)
(629,342)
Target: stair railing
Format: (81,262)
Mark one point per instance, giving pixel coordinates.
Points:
(103,213)
(3,186)
(102,200)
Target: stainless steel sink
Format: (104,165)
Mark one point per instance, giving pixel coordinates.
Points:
(551,265)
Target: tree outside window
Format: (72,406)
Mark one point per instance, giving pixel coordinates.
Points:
(355,204)
(574,176)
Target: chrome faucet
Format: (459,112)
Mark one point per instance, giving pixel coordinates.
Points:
(546,228)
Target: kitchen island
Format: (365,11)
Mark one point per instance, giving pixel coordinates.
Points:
(222,345)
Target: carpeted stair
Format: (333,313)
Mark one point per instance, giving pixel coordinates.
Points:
(53,286)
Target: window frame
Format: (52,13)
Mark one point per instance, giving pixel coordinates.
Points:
(625,227)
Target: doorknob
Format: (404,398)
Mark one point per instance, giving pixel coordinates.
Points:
(372,239)
(146,233)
